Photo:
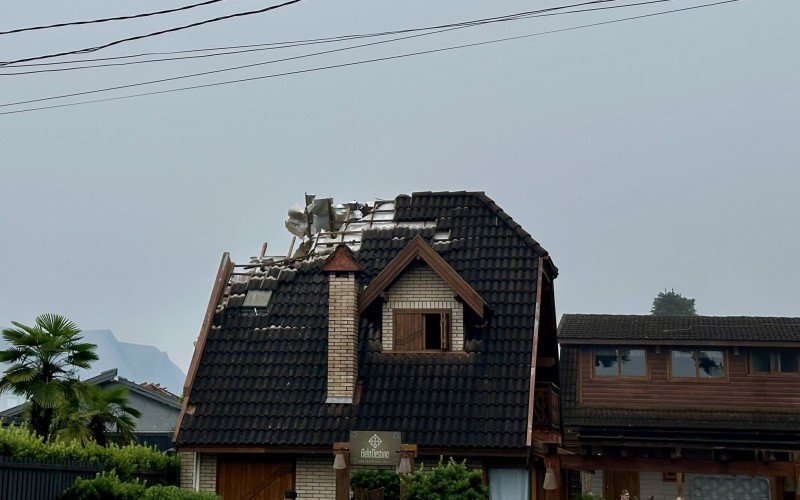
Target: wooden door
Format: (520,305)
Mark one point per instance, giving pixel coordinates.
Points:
(616,481)
(253,477)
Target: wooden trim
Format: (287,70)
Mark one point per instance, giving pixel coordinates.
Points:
(418,248)
(642,378)
(697,379)
(687,343)
(579,462)
(282,450)
(223,273)
(534,351)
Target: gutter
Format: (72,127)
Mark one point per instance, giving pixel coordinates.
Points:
(223,273)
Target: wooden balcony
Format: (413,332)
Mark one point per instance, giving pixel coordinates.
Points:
(547,413)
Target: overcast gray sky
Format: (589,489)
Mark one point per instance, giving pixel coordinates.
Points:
(661,152)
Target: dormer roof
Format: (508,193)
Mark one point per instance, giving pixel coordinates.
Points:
(419,249)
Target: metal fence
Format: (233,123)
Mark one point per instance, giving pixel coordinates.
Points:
(35,479)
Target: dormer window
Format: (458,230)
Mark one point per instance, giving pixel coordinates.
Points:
(422,330)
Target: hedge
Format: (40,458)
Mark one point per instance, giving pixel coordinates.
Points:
(108,486)
(19,442)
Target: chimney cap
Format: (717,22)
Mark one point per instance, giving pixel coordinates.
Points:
(342,260)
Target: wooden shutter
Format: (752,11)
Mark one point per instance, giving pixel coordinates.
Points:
(408,331)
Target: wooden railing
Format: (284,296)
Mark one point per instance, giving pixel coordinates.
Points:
(547,407)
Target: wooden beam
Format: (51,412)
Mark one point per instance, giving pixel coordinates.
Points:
(223,273)
(547,362)
(534,349)
(578,462)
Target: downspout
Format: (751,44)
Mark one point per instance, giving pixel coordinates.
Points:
(534,349)
(196,472)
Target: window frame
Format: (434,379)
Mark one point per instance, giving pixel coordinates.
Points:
(697,378)
(422,312)
(619,375)
(774,352)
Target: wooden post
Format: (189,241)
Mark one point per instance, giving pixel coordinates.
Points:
(410,451)
(342,475)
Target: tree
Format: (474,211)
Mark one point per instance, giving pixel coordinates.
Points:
(44,358)
(671,303)
(93,411)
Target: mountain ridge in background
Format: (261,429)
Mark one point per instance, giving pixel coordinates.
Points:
(136,362)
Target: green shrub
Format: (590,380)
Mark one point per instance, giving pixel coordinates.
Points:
(376,479)
(19,442)
(451,480)
(108,486)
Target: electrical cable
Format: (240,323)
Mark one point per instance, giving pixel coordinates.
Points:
(464,24)
(367,61)
(155,33)
(243,66)
(108,19)
(296,43)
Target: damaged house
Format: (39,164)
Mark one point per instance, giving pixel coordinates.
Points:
(397,332)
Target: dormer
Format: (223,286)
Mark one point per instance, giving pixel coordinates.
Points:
(423,301)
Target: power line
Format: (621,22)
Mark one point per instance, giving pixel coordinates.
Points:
(282,45)
(367,61)
(312,41)
(155,33)
(262,63)
(273,46)
(108,19)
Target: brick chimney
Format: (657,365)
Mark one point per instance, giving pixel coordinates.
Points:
(343,288)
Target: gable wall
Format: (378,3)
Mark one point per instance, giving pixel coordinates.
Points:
(421,288)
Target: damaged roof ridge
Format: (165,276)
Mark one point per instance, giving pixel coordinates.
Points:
(500,213)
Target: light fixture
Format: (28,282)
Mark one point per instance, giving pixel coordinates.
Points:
(676,453)
(405,465)
(550,480)
(339,462)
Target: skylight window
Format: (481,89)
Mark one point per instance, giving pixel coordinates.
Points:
(257,299)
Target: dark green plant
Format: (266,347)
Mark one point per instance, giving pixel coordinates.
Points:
(371,480)
(93,411)
(20,442)
(43,359)
(671,303)
(449,480)
(108,486)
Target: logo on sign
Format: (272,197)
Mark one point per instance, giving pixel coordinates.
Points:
(375,441)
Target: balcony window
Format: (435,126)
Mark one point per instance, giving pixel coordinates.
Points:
(697,364)
(620,362)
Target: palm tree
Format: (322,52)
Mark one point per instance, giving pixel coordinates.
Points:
(95,411)
(44,358)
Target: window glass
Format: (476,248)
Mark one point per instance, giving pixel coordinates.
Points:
(761,361)
(605,362)
(787,361)
(683,364)
(509,484)
(709,364)
(632,362)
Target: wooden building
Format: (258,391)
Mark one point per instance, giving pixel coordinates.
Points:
(707,408)
(427,321)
